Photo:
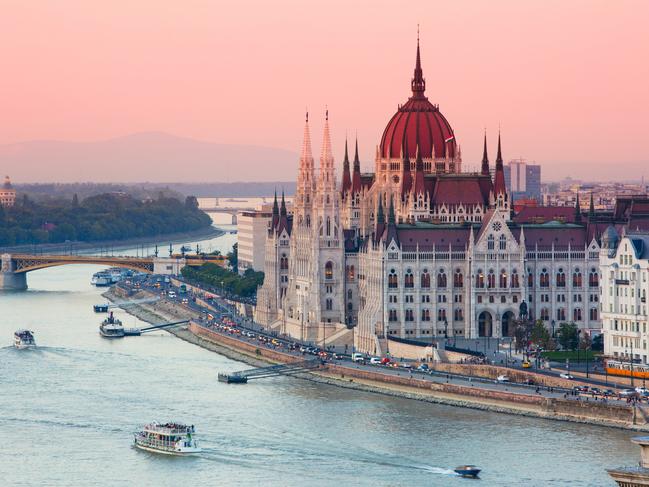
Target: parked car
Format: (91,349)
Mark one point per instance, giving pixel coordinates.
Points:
(566,376)
(358,357)
(423,367)
(375,361)
(627,392)
(527,364)
(385,361)
(642,390)
(406,365)
(502,379)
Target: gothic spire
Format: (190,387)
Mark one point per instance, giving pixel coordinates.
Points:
(485,158)
(418,82)
(283,207)
(347,181)
(275,207)
(380,217)
(356,176)
(577,210)
(591,208)
(391,216)
(499,178)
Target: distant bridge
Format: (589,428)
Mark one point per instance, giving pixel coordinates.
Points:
(14,267)
(216,207)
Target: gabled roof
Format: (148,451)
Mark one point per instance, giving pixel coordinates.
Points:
(543,214)
(465,189)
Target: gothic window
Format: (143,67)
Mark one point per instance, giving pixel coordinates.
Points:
(308,221)
(593,278)
(491,279)
(392,315)
(530,279)
(503,278)
(329,270)
(576,314)
(458,280)
(561,278)
(409,315)
(441,278)
(479,279)
(515,282)
(503,242)
(490,242)
(283,262)
(441,314)
(349,294)
(593,314)
(544,279)
(576,278)
(458,315)
(425,315)
(425,279)
(393,281)
(545,314)
(409,279)
(350,272)
(328,224)
(561,314)
(329,304)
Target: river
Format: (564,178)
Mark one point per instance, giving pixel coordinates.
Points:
(70,406)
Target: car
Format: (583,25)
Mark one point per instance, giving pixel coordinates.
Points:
(171,294)
(627,392)
(385,361)
(185,301)
(566,376)
(358,357)
(423,367)
(375,360)
(406,365)
(527,364)
(642,390)
(502,379)
(596,390)
(337,356)
(580,388)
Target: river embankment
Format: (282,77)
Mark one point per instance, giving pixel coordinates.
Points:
(404,386)
(116,245)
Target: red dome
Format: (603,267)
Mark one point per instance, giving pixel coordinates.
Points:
(418,121)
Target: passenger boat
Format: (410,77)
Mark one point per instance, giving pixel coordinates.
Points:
(101,279)
(24,339)
(168,438)
(100,308)
(111,327)
(467,471)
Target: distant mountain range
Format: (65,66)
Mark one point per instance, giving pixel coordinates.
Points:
(150,156)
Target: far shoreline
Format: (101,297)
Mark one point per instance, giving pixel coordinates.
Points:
(113,245)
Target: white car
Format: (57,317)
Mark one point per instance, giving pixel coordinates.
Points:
(627,392)
(375,361)
(566,376)
(502,379)
(642,390)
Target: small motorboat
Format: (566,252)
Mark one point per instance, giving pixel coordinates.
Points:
(470,471)
(100,308)
(24,339)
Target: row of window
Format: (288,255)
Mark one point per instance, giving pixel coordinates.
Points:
(409,315)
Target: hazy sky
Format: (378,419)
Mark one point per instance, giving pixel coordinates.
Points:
(567,81)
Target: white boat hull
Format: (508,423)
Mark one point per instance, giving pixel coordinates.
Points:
(22,345)
(182,452)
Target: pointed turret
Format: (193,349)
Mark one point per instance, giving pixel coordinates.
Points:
(305,178)
(326,181)
(499,178)
(577,210)
(406,174)
(380,216)
(275,218)
(380,220)
(591,207)
(419,187)
(485,158)
(418,82)
(347,180)
(282,211)
(391,215)
(392,225)
(356,176)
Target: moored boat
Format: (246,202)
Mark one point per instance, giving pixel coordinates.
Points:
(467,471)
(111,327)
(101,279)
(100,308)
(168,438)
(24,339)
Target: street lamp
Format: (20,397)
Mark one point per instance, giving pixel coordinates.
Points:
(553,328)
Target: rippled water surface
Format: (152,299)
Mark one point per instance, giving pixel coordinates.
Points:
(68,410)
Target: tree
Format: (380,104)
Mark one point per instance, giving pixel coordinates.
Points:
(522,333)
(568,336)
(540,334)
(598,343)
(191,203)
(233,257)
(585,343)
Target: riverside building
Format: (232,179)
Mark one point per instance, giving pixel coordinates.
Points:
(418,249)
(7,193)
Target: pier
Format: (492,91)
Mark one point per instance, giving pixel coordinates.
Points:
(243,376)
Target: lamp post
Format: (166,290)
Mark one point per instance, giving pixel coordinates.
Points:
(553,328)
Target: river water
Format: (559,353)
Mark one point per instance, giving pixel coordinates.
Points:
(69,407)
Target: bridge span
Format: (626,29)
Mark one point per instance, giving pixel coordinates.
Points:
(14,267)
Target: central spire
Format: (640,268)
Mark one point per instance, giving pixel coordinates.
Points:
(418,82)
(485,157)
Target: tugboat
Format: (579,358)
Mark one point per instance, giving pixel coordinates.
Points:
(470,471)
(111,327)
(168,438)
(24,339)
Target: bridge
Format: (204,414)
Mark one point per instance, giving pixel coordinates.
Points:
(14,267)
(207,207)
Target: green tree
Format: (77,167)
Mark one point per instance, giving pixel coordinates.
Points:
(540,334)
(191,202)
(522,333)
(568,336)
(233,257)
(585,342)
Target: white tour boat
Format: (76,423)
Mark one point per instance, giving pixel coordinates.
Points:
(168,438)
(111,327)
(24,339)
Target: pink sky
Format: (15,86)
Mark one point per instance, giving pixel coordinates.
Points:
(567,81)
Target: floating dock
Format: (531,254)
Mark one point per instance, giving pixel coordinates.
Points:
(242,376)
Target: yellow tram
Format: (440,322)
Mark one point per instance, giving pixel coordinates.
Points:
(640,371)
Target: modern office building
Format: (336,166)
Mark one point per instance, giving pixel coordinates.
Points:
(252,228)
(523,180)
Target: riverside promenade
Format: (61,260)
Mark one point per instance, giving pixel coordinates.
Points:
(470,386)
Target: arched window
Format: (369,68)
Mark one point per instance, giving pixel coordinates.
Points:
(545,314)
(515,282)
(593,278)
(593,314)
(561,278)
(425,279)
(349,294)
(393,280)
(441,314)
(350,272)
(530,279)
(328,225)
(283,262)
(503,278)
(441,278)
(458,315)
(458,280)
(479,279)
(503,242)
(329,270)
(576,278)
(425,315)
(544,279)
(561,314)
(491,279)
(576,314)
(392,315)
(409,279)
(490,242)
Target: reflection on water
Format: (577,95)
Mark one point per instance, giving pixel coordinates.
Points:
(69,409)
